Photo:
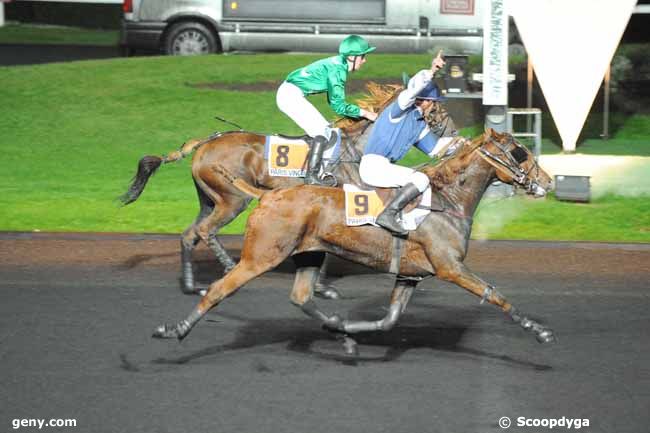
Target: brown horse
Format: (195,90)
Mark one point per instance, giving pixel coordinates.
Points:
(306,221)
(241,154)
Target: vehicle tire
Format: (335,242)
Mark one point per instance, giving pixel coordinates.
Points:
(190,38)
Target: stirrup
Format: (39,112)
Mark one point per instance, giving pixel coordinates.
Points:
(327,179)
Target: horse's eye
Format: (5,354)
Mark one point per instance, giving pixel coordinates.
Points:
(519,154)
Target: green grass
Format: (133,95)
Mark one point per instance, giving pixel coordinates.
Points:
(605,219)
(72,135)
(32,34)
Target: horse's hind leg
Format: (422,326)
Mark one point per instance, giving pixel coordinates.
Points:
(225,211)
(261,253)
(206,227)
(190,239)
(459,274)
(242,273)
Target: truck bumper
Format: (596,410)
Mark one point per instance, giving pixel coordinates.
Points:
(143,35)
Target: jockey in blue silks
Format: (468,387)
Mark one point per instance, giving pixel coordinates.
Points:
(399,127)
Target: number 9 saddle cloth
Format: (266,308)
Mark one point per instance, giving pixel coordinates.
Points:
(364,206)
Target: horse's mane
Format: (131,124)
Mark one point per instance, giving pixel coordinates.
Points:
(377,98)
(446,170)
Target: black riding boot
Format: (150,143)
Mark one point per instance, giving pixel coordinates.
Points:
(388,218)
(312,176)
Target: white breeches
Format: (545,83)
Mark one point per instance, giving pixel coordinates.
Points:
(377,170)
(293,103)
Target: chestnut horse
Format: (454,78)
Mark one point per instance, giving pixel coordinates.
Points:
(305,221)
(241,154)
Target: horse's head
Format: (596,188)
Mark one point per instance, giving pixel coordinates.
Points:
(514,163)
(439,121)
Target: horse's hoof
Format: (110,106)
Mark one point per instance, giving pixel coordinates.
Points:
(334,323)
(545,336)
(327,292)
(350,347)
(526,323)
(165,331)
(190,289)
(187,285)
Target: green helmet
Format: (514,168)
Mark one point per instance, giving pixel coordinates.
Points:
(355,45)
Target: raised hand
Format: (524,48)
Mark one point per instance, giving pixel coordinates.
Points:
(438,62)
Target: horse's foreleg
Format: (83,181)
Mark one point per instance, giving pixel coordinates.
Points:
(324,289)
(307,272)
(302,296)
(459,274)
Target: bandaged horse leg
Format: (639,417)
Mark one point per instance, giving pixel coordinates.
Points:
(220,252)
(302,296)
(399,300)
(189,240)
(324,289)
(220,217)
(307,271)
(206,228)
(187,271)
(459,274)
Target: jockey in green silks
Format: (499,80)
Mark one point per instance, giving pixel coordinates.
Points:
(327,75)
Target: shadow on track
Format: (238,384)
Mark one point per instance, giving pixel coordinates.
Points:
(300,337)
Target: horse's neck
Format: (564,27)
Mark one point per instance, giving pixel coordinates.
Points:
(347,169)
(469,185)
(356,139)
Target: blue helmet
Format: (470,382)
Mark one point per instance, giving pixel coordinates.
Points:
(431,92)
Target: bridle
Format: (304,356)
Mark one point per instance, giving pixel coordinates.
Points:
(438,119)
(510,161)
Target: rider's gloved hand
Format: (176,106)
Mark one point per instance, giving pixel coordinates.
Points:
(368,115)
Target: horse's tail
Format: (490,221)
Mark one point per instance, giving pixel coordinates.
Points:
(149,164)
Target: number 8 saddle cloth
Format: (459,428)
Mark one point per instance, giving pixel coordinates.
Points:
(287,156)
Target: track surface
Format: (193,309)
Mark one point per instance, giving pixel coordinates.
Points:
(77,312)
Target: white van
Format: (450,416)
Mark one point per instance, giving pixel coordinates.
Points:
(186,27)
